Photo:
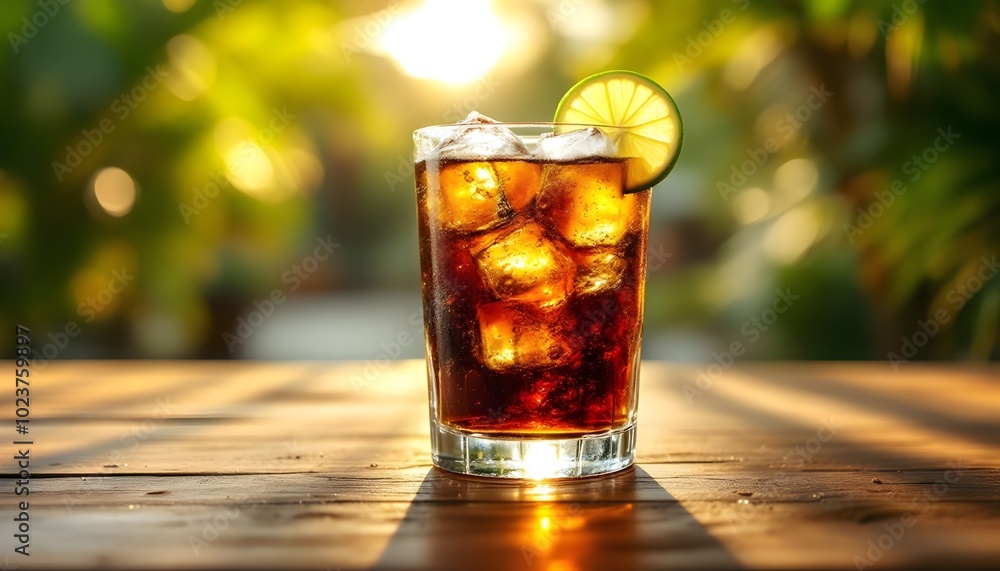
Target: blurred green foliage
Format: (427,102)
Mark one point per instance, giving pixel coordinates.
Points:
(250,128)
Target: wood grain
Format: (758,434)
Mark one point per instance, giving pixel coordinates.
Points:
(236,465)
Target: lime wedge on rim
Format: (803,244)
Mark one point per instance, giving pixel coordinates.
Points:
(639,116)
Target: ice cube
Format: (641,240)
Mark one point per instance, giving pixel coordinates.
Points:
(585,203)
(598,270)
(523,264)
(480,139)
(581,144)
(476,117)
(515,335)
(467,193)
(466,196)
(475,243)
(520,180)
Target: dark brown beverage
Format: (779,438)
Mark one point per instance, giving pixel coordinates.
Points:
(533,279)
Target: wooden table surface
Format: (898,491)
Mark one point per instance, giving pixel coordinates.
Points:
(241,465)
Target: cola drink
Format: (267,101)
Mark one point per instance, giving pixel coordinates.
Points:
(533,273)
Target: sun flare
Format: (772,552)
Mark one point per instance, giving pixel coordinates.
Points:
(453,41)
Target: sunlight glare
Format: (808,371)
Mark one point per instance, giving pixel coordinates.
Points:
(792,234)
(755,53)
(178,6)
(540,492)
(751,205)
(249,169)
(453,41)
(192,67)
(793,182)
(249,166)
(541,460)
(114,190)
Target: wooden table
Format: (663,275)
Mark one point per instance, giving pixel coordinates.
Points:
(180,465)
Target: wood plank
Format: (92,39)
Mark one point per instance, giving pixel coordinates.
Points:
(296,417)
(244,447)
(685,482)
(451,536)
(296,521)
(292,465)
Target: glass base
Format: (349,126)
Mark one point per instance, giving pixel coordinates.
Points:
(532,459)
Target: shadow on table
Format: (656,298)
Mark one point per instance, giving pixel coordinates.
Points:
(618,522)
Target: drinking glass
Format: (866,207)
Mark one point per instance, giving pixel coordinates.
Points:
(533,269)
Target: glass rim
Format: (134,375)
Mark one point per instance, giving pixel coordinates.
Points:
(512,125)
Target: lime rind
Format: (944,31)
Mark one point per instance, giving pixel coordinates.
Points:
(637,114)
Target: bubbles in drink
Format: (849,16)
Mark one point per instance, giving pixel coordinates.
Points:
(598,270)
(517,335)
(520,181)
(585,204)
(468,197)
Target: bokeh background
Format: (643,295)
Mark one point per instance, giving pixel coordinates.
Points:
(168,168)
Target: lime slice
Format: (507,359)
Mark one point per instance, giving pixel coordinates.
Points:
(639,116)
